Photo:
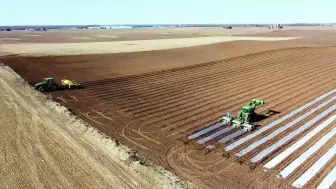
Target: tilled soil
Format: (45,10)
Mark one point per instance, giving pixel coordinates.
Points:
(44,146)
(92,35)
(154,109)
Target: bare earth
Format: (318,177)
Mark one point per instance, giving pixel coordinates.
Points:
(82,36)
(42,49)
(156,97)
(43,146)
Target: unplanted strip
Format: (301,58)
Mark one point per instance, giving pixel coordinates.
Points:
(303,157)
(282,129)
(232,136)
(214,135)
(204,131)
(313,170)
(279,158)
(291,135)
(328,181)
(274,123)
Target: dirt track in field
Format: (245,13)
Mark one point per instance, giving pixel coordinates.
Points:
(138,100)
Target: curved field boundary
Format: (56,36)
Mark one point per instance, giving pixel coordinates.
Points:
(282,129)
(279,158)
(315,168)
(303,157)
(271,125)
(328,181)
(291,135)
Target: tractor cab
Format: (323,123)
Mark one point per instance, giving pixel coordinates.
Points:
(49,80)
(246,110)
(47,85)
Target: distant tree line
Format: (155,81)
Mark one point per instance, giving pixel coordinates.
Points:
(6,29)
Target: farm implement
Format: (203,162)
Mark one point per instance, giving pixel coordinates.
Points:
(246,117)
(245,120)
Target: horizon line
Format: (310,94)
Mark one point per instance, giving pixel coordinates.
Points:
(168,24)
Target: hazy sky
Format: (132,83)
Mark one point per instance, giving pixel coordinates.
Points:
(36,12)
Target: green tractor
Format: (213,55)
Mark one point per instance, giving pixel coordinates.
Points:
(47,85)
(246,116)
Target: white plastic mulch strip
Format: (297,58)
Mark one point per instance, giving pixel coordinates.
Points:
(214,135)
(313,170)
(282,129)
(274,123)
(279,158)
(328,181)
(204,131)
(211,146)
(291,135)
(232,136)
(303,157)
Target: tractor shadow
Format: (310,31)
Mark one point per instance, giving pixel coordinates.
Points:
(260,117)
(72,89)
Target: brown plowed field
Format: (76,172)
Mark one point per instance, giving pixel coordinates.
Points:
(83,36)
(308,32)
(138,100)
(99,67)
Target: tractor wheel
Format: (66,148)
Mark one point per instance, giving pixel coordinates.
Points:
(41,89)
(53,88)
